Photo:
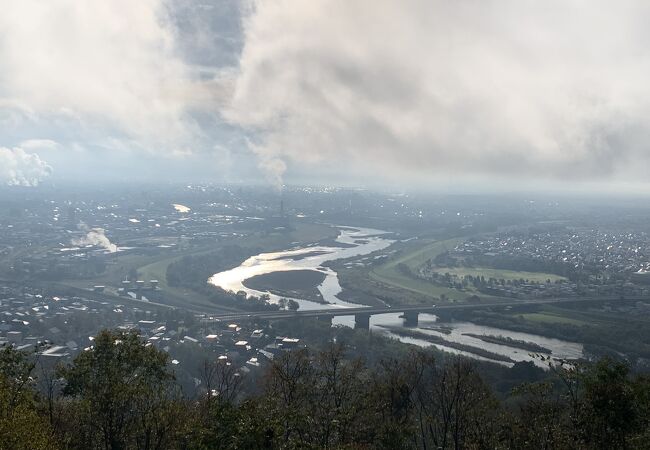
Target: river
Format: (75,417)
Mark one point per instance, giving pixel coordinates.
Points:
(364,241)
(458,332)
(353,242)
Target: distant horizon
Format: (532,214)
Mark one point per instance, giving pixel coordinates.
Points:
(600,193)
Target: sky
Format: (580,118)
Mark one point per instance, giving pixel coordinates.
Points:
(500,93)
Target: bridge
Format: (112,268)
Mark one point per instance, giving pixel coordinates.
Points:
(410,314)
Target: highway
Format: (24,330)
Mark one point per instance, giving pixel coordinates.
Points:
(333,311)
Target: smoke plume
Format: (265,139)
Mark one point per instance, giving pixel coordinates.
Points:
(18,168)
(96,237)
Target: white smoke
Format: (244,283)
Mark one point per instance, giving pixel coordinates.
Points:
(19,168)
(274,169)
(95,236)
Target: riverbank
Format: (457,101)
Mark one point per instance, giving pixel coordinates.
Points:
(405,332)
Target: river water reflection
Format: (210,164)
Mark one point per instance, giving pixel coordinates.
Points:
(363,241)
(458,332)
(353,242)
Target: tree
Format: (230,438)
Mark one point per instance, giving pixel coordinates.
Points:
(21,426)
(288,384)
(542,420)
(393,395)
(319,401)
(221,380)
(337,407)
(123,393)
(611,411)
(292,305)
(455,407)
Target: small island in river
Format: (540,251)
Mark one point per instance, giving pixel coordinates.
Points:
(415,334)
(301,284)
(510,342)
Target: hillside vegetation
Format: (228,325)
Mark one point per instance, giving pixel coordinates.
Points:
(121,394)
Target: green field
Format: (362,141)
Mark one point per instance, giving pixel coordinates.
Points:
(550,318)
(413,256)
(499,274)
(417,253)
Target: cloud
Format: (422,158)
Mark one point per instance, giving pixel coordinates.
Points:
(108,66)
(40,144)
(418,89)
(18,168)
(549,90)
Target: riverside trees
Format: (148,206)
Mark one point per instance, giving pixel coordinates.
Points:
(121,394)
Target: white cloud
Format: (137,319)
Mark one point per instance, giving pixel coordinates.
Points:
(18,168)
(554,89)
(108,65)
(40,144)
(426,88)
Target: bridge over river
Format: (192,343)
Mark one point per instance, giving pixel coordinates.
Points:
(410,314)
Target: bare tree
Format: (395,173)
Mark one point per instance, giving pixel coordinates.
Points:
(221,379)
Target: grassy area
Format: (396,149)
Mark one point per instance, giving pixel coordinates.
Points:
(421,287)
(500,274)
(176,295)
(585,316)
(415,255)
(550,318)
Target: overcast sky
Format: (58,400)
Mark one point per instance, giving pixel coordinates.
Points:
(413,92)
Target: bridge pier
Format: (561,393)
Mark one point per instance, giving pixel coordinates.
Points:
(362,321)
(411,318)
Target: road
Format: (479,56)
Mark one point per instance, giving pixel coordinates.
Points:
(370,310)
(334,311)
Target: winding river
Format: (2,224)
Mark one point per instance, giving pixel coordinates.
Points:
(353,242)
(363,241)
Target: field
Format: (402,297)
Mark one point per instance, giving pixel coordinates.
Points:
(413,256)
(550,318)
(500,274)
(416,253)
